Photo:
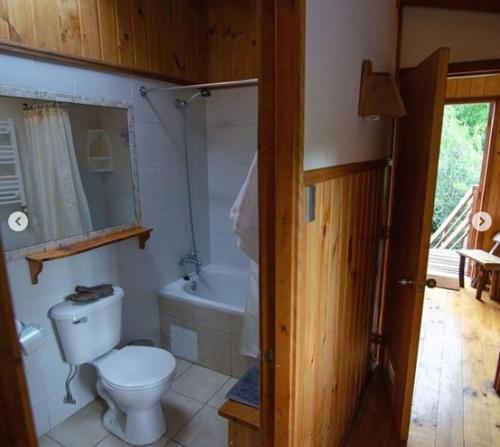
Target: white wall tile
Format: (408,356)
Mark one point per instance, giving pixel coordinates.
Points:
(58,410)
(55,78)
(170,144)
(150,188)
(18,71)
(231,146)
(103,85)
(41,418)
(147,151)
(217,151)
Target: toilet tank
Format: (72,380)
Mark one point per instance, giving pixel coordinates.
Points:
(87,331)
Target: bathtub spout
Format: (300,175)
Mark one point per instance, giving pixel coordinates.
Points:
(191,258)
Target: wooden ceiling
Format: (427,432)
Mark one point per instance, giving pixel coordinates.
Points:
(466,5)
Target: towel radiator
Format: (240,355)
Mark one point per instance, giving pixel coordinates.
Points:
(11,175)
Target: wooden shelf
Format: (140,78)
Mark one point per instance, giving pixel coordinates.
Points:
(241,413)
(36,260)
(379,94)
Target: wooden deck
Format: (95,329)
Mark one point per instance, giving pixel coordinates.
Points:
(454,400)
(443,267)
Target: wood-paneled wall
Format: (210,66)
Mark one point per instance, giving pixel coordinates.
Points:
(160,37)
(473,87)
(231,40)
(337,287)
(180,40)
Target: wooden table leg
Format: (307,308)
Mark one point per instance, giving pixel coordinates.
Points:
(461,271)
(495,286)
(481,283)
(496,383)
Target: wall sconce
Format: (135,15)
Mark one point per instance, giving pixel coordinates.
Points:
(379,95)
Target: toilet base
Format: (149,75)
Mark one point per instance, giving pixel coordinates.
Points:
(137,427)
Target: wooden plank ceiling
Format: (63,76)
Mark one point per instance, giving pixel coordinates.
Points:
(466,5)
(157,37)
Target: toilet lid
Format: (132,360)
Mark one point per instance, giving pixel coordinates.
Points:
(136,366)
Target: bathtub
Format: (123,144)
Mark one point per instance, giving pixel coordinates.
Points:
(204,325)
(222,288)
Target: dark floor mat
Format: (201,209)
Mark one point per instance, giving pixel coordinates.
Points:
(246,390)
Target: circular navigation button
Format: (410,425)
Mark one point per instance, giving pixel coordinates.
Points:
(18,221)
(481,221)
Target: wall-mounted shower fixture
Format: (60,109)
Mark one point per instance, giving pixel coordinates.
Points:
(183,103)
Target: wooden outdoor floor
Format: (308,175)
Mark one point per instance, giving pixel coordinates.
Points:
(454,403)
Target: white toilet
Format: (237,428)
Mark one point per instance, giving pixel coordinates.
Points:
(131,380)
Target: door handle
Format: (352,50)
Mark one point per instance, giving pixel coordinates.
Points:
(430,282)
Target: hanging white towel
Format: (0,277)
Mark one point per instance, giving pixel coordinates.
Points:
(245,215)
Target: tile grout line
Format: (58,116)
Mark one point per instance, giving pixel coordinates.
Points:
(205,404)
(55,440)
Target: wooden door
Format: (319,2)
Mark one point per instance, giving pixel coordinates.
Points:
(413,188)
(16,425)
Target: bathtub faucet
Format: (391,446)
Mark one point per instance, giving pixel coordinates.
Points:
(191,258)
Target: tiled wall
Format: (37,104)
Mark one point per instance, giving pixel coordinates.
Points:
(158,129)
(231,145)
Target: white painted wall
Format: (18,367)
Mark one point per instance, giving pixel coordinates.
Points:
(231,145)
(339,36)
(470,35)
(140,272)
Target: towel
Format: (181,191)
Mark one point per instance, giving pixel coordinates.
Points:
(245,214)
(84,294)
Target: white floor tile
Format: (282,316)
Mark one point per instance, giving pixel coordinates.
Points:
(181,367)
(45,441)
(113,441)
(206,429)
(83,429)
(220,397)
(173,444)
(179,409)
(199,383)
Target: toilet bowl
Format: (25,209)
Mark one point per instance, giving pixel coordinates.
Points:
(132,381)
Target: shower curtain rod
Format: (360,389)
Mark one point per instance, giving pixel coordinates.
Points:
(214,85)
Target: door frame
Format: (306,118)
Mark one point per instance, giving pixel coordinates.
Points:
(281,107)
(280,136)
(15,410)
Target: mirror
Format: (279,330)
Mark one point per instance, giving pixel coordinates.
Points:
(67,166)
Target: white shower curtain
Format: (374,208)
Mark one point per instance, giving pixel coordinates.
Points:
(58,206)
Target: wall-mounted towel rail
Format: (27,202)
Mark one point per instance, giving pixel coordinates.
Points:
(11,175)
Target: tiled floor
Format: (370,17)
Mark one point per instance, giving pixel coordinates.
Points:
(190,406)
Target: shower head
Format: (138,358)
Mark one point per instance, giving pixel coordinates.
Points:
(183,103)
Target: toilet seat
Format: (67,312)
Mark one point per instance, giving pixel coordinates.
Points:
(135,367)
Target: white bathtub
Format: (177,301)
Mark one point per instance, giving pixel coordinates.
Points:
(222,288)
(214,312)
